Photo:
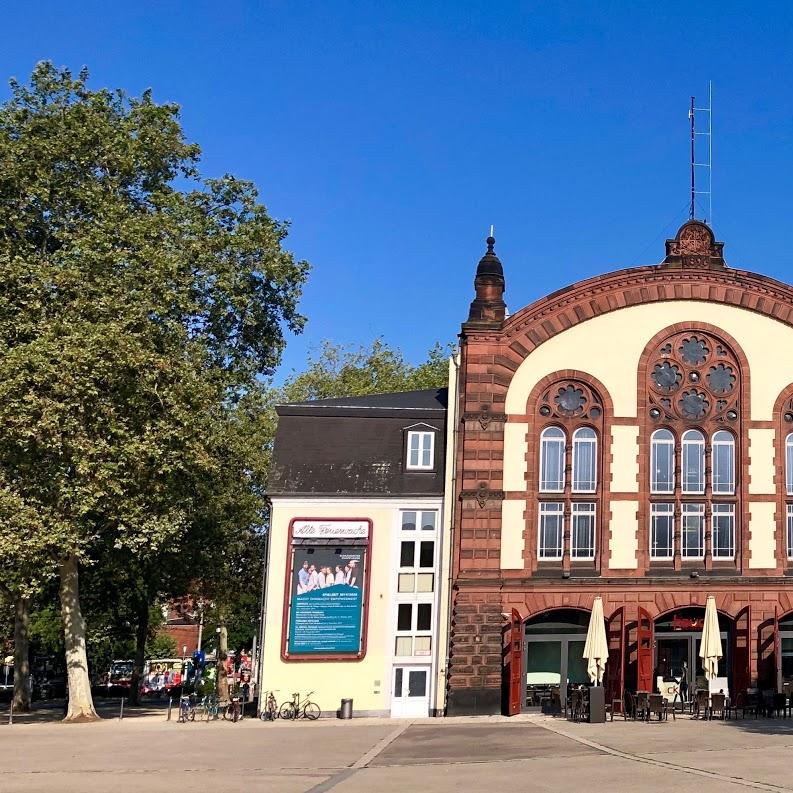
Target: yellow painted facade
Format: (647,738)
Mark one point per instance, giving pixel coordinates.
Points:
(608,347)
(762,535)
(761,462)
(512,528)
(625,459)
(624,535)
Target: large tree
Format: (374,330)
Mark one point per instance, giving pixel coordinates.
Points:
(139,303)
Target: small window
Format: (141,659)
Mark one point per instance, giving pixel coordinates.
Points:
(723,451)
(427,554)
(429,521)
(662,523)
(407,553)
(723,534)
(789,463)
(552,443)
(693,462)
(584,460)
(405,617)
(421,451)
(551,530)
(424,618)
(582,535)
(693,531)
(408,521)
(662,462)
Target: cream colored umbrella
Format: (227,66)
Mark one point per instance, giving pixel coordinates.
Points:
(596,648)
(710,645)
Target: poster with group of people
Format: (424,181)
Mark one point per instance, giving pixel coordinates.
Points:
(327,599)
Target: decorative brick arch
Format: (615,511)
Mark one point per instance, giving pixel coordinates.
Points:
(739,430)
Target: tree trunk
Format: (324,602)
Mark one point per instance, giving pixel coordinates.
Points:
(81,704)
(223,649)
(21,656)
(141,634)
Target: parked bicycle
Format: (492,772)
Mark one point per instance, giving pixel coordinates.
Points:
(187,708)
(270,708)
(300,709)
(233,711)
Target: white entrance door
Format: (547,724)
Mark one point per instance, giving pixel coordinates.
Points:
(411,692)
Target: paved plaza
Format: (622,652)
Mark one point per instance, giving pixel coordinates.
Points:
(145,752)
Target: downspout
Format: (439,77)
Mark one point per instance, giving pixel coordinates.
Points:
(263,609)
(453,513)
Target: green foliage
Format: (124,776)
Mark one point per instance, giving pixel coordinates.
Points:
(140,306)
(340,371)
(161,646)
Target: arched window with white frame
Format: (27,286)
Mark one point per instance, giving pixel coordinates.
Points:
(692,464)
(723,463)
(552,452)
(662,462)
(584,460)
(789,464)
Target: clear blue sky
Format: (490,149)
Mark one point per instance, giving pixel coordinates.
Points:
(393,134)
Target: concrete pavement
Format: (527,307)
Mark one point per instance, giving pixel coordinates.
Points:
(524,753)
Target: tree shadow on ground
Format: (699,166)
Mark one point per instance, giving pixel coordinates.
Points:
(52,711)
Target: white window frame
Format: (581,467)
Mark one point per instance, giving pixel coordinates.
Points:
(558,441)
(697,510)
(715,443)
(416,598)
(717,510)
(422,436)
(543,512)
(789,516)
(789,464)
(668,511)
(692,443)
(578,441)
(654,443)
(587,509)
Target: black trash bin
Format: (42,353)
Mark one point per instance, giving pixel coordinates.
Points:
(345,711)
(597,705)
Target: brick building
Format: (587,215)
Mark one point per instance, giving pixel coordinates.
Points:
(629,436)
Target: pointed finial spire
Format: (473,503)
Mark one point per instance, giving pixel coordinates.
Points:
(488,308)
(491,240)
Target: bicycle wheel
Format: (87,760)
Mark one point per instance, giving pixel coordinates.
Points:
(191,715)
(287,711)
(311,711)
(228,712)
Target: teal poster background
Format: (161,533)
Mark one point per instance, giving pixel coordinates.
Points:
(327,601)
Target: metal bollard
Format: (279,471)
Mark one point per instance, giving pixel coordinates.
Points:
(345,711)
(11,713)
(121,713)
(170,705)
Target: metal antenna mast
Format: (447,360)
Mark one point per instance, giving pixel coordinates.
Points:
(692,113)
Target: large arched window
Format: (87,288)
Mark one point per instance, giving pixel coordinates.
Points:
(570,427)
(692,470)
(693,419)
(662,462)
(552,443)
(723,462)
(584,460)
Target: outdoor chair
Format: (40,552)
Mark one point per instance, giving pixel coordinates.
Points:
(630,705)
(658,706)
(642,704)
(576,704)
(767,703)
(741,704)
(701,703)
(619,707)
(779,704)
(717,705)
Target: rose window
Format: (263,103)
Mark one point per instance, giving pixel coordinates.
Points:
(570,400)
(694,351)
(666,376)
(721,379)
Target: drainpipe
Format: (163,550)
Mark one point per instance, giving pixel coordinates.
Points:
(453,514)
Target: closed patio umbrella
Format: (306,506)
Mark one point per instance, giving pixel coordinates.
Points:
(710,646)
(596,650)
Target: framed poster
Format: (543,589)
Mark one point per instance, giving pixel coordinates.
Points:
(326,599)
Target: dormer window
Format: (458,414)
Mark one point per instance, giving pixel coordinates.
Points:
(420,451)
